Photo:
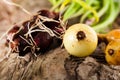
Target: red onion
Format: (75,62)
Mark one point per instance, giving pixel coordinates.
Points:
(37,35)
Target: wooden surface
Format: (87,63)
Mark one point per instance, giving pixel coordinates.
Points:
(56,64)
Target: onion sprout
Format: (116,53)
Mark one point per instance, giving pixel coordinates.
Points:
(100,14)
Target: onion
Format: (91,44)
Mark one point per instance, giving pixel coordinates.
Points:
(112,52)
(80,40)
(39,34)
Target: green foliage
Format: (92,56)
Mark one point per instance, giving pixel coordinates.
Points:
(97,13)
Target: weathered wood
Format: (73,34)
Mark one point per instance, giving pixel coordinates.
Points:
(56,64)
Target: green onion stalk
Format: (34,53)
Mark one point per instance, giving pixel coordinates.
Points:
(99,14)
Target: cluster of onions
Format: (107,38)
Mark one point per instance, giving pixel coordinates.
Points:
(46,29)
(81,40)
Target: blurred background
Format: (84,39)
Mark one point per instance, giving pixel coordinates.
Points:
(10,14)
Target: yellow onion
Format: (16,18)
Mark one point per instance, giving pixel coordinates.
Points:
(80,40)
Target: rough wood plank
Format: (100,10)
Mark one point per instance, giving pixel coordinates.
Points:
(56,64)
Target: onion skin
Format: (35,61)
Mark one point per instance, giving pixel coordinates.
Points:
(112,35)
(80,40)
(43,41)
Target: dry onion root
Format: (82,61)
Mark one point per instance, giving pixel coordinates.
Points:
(37,35)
